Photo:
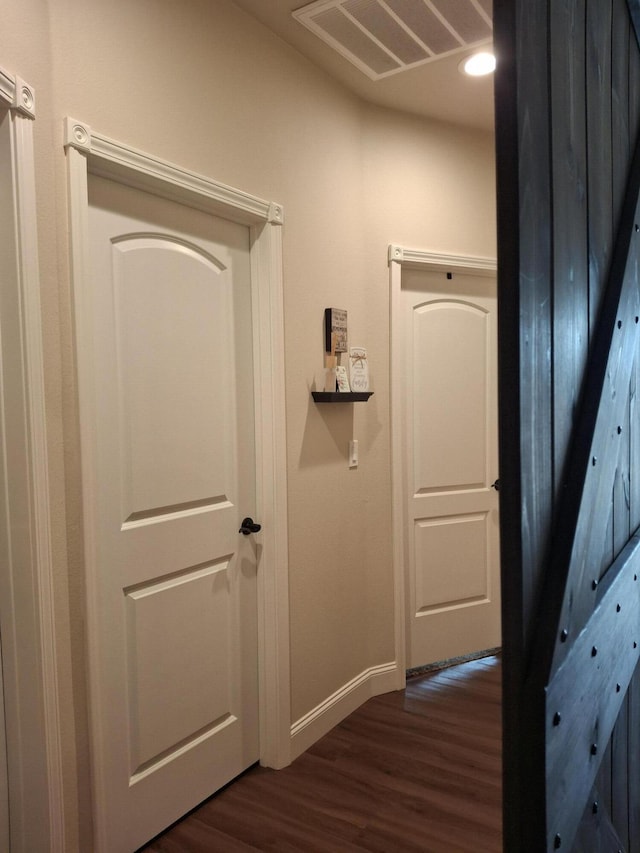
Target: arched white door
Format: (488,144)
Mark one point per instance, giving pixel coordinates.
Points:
(450,449)
(174,457)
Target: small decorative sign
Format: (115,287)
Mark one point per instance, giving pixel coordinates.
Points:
(342,379)
(358,369)
(335,322)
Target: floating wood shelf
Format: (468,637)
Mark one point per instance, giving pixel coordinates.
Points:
(341,396)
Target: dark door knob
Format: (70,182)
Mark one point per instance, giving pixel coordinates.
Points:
(496,485)
(248,526)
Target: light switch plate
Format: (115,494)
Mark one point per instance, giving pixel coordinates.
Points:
(353,453)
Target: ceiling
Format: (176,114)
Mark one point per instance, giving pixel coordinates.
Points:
(435,90)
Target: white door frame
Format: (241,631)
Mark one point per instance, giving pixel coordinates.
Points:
(29,676)
(90,153)
(399,259)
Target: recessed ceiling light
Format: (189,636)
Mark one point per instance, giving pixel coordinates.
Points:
(478,64)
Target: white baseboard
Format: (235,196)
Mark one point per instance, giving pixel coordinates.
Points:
(321,719)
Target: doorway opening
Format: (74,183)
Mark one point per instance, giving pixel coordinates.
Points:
(444,456)
(143,499)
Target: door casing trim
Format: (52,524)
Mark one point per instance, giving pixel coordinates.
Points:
(31,694)
(402,258)
(91,153)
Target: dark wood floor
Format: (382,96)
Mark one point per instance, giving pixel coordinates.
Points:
(417,770)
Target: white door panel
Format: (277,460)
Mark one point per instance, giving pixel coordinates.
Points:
(449,405)
(451,462)
(451,565)
(175,463)
(162,360)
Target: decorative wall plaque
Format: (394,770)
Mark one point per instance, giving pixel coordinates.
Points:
(358,369)
(335,321)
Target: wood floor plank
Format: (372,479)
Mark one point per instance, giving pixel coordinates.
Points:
(451,739)
(415,770)
(285,822)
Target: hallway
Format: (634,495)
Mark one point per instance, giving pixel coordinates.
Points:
(417,770)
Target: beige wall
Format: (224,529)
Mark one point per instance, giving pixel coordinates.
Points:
(204,86)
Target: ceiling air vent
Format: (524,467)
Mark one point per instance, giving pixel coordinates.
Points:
(382,37)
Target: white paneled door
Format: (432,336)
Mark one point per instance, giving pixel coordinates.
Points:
(451,464)
(175,699)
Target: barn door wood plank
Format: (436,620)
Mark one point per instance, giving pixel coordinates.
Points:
(598,130)
(535,309)
(621,147)
(570,222)
(625,58)
(634,388)
(621,143)
(633,774)
(604,784)
(634,15)
(619,776)
(526,438)
(634,85)
(584,698)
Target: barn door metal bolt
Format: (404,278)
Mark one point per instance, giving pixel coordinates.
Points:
(594,749)
(619,324)
(557,717)
(594,651)
(618,608)
(618,688)
(594,807)
(594,584)
(563,635)
(557,842)
(619,430)
(594,459)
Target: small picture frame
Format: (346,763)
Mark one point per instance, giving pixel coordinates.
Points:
(342,378)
